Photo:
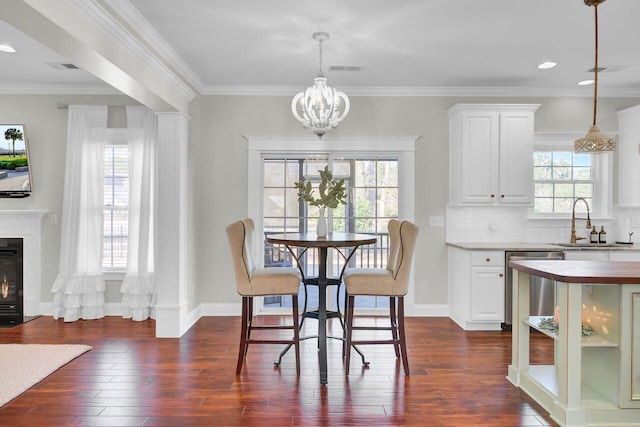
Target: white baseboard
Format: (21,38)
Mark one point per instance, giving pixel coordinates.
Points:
(429,310)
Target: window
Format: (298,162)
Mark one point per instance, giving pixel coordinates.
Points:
(116,203)
(380,177)
(560,176)
(372,200)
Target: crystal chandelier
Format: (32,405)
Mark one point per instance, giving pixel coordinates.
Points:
(320,107)
(595,141)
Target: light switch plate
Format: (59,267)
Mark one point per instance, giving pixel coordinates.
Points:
(436,221)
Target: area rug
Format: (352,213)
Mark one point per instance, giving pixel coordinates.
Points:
(24,365)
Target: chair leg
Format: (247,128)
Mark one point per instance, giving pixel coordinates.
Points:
(244,331)
(403,341)
(393,318)
(344,325)
(349,311)
(296,331)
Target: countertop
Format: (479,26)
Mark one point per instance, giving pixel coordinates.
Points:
(523,246)
(581,271)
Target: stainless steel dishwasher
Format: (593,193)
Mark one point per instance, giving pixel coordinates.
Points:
(542,299)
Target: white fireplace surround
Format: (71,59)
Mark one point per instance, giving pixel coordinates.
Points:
(27,224)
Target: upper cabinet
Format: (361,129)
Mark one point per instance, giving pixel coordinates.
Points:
(491,154)
(628,152)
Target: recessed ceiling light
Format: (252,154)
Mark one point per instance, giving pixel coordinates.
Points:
(6,48)
(546,65)
(585,82)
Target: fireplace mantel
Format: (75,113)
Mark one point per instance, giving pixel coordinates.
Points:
(27,224)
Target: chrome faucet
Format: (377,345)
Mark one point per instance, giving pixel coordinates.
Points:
(575,238)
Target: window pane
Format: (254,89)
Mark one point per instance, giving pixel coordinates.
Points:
(544,190)
(387,173)
(542,173)
(563,190)
(562,159)
(581,174)
(584,190)
(273,174)
(541,159)
(563,205)
(561,173)
(388,202)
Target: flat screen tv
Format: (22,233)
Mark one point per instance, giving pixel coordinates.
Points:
(15,173)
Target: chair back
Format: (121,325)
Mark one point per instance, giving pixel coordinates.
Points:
(407,235)
(240,236)
(394,245)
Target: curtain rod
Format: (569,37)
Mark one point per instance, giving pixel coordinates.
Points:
(65,106)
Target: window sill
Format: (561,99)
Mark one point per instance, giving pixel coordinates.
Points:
(114,275)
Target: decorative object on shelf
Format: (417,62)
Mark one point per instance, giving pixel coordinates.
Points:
(595,141)
(550,324)
(331,194)
(320,108)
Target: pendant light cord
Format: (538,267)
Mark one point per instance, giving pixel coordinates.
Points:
(595,71)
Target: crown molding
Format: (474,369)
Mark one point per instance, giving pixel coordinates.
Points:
(119,19)
(57,89)
(425,91)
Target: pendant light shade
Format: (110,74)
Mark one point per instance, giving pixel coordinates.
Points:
(320,108)
(595,141)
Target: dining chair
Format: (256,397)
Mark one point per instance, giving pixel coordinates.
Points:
(252,281)
(393,282)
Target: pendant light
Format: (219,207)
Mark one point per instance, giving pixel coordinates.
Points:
(320,108)
(595,141)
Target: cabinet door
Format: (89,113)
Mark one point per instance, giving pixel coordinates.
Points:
(480,148)
(487,293)
(630,347)
(516,158)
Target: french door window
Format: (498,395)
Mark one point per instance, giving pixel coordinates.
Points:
(379,173)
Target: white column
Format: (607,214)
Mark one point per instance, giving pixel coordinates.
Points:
(171,225)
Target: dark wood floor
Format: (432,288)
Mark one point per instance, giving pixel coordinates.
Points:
(130,378)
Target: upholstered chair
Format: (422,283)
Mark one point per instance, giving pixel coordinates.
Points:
(253,282)
(393,282)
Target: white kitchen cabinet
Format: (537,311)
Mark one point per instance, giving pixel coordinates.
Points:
(476,288)
(628,152)
(491,154)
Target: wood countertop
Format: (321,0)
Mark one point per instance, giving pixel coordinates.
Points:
(581,271)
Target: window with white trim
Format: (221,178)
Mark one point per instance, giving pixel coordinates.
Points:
(116,206)
(560,176)
(273,203)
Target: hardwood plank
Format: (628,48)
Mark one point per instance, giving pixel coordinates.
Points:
(130,378)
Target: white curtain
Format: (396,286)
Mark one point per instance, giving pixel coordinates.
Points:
(79,287)
(138,287)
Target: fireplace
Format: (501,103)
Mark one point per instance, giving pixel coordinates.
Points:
(11,282)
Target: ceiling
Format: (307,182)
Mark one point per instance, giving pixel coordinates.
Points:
(403,47)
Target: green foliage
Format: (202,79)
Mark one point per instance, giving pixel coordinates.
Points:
(13,163)
(13,134)
(332,192)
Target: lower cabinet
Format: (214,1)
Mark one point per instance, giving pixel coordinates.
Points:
(476,288)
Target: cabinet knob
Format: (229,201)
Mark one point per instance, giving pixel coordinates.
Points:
(501,275)
(502,196)
(493,196)
(488,260)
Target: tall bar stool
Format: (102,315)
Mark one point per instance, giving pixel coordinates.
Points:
(393,282)
(253,282)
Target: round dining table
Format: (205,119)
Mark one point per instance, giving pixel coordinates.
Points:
(333,240)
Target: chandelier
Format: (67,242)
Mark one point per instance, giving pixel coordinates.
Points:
(320,108)
(595,141)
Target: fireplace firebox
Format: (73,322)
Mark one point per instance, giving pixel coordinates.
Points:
(11,285)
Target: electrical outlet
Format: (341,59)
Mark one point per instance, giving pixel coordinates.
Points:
(436,221)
